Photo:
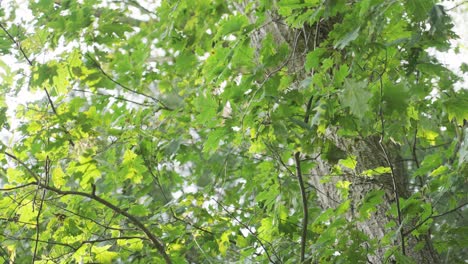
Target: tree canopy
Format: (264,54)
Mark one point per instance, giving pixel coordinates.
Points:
(231,131)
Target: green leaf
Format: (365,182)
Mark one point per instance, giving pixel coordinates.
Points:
(456,108)
(139,210)
(395,98)
(231,25)
(313,58)
(356,96)
(187,115)
(419,9)
(370,202)
(118,29)
(214,137)
(58,177)
(103,255)
(341,74)
(223,243)
(376,171)
(343,42)
(343,187)
(207,108)
(350,162)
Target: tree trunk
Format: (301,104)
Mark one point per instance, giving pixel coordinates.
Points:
(370,153)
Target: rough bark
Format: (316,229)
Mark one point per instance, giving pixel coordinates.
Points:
(370,152)
(369,155)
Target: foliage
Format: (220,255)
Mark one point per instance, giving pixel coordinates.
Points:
(187,132)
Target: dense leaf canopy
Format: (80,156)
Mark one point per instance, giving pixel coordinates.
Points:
(219,131)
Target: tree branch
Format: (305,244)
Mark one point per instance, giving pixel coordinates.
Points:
(155,240)
(17,43)
(32,173)
(17,187)
(434,216)
(305,208)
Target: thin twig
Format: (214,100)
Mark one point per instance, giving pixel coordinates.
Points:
(16,187)
(280,160)
(434,216)
(40,241)
(112,239)
(112,96)
(155,240)
(415,140)
(387,159)
(5,256)
(139,6)
(158,183)
(94,221)
(96,63)
(18,44)
(32,173)
(248,228)
(456,6)
(41,203)
(55,112)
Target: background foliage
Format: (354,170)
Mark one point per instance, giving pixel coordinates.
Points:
(189,131)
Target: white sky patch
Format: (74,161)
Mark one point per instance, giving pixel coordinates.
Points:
(245,232)
(208,204)
(220,89)
(204,57)
(194,134)
(177,194)
(135,12)
(450,58)
(192,188)
(187,188)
